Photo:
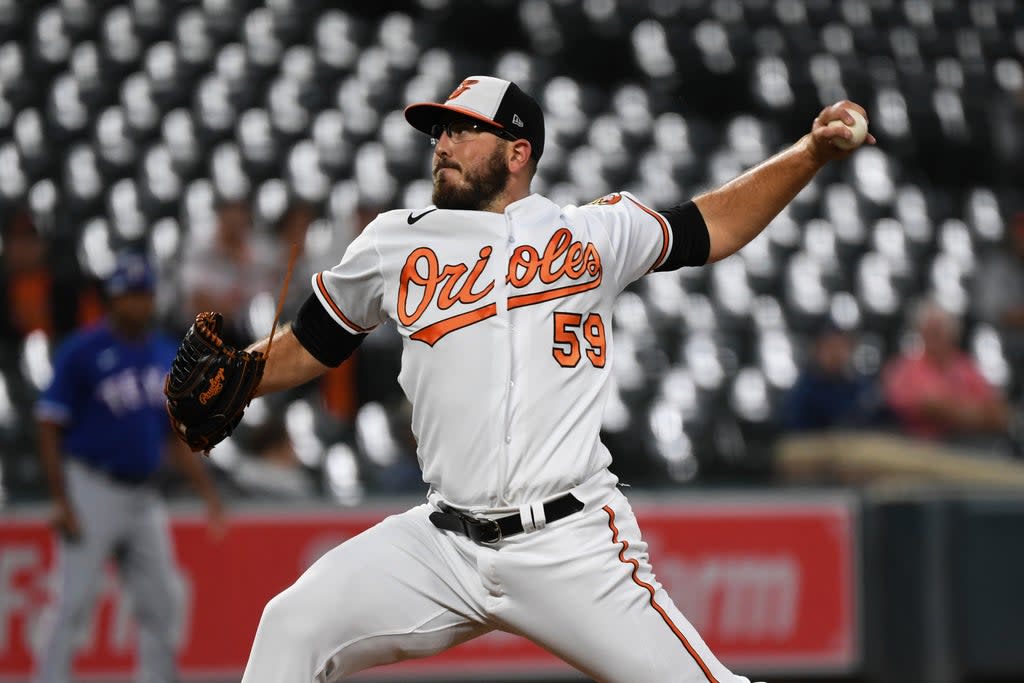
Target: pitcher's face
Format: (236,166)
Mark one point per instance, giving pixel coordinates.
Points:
(470,169)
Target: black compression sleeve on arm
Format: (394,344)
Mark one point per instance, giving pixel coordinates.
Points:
(326,340)
(691,242)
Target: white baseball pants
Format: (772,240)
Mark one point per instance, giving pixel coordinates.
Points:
(581,588)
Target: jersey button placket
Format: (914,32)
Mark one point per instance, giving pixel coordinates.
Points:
(511,382)
(511,355)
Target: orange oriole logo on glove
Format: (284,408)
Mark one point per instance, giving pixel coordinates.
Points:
(216,386)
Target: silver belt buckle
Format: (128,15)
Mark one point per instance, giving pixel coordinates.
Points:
(496,527)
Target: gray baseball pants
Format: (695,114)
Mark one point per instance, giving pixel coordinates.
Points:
(129,525)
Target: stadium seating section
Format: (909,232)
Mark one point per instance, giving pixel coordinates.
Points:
(122,122)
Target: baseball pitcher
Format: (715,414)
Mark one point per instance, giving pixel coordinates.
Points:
(504,301)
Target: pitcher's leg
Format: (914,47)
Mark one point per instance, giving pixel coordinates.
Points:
(397,591)
(587,593)
(149,574)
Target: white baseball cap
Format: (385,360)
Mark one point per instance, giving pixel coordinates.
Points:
(497,102)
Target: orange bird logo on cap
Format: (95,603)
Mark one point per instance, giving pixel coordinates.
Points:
(463,87)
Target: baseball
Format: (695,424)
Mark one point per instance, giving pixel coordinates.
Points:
(859,129)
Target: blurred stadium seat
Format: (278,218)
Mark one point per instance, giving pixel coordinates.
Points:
(125,120)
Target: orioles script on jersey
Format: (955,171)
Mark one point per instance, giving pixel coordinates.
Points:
(424,281)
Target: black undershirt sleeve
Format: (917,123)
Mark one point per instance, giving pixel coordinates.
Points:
(691,242)
(325,339)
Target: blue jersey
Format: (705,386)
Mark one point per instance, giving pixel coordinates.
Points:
(107,393)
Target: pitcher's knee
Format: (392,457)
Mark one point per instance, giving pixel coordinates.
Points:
(288,617)
(291,642)
(282,618)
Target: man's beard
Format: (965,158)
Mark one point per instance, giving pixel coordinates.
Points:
(478,188)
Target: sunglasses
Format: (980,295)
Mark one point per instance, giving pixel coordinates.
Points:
(460,130)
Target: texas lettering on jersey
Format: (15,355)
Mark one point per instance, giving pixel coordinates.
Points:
(565,265)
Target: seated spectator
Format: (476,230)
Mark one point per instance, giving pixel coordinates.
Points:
(316,252)
(226,272)
(269,467)
(936,391)
(36,292)
(829,393)
(947,412)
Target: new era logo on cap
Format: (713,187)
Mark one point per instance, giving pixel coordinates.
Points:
(486,98)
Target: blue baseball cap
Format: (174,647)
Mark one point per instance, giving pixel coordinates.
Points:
(132,273)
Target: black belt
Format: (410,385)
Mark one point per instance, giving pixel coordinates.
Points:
(493,530)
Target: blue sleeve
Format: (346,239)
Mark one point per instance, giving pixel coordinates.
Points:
(57,401)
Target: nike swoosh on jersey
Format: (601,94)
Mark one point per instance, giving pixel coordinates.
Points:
(412,219)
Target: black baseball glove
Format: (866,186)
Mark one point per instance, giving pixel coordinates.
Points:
(210,384)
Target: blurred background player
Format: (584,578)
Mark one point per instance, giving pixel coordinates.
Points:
(38,289)
(102,434)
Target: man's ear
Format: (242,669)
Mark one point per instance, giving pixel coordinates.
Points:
(519,155)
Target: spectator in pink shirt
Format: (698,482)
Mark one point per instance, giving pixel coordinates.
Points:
(937,392)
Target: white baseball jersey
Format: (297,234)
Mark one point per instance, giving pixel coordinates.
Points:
(506,323)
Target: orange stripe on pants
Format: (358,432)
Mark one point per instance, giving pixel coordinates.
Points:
(650,589)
